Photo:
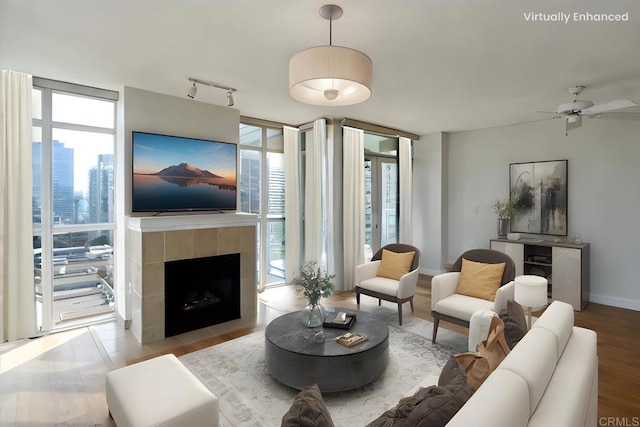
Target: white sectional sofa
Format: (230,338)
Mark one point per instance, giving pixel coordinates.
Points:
(550,378)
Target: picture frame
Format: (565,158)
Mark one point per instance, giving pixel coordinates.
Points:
(541,188)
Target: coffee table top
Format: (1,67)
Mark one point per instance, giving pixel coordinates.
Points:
(288,333)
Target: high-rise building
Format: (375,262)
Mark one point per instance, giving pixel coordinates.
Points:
(61,181)
(276,192)
(101,190)
(250,181)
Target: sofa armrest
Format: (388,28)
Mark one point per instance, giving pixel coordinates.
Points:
(479,328)
(408,283)
(442,286)
(367,271)
(504,294)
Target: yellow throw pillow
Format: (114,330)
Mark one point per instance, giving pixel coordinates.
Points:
(480,280)
(395,265)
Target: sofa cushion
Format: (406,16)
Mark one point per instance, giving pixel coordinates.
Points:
(515,324)
(558,318)
(566,399)
(395,265)
(462,306)
(480,280)
(534,359)
(381,284)
(308,410)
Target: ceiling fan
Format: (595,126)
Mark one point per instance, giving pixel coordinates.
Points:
(573,111)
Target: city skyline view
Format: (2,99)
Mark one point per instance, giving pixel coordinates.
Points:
(82,190)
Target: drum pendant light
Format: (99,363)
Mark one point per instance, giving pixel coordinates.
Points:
(330,75)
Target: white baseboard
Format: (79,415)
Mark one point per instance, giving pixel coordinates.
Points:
(615,302)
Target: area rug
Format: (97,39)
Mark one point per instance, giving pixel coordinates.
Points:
(235,372)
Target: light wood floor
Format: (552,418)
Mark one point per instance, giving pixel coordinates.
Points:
(58,380)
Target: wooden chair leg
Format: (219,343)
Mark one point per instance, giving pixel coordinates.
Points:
(357,297)
(435,329)
(400,313)
(379,302)
(411,304)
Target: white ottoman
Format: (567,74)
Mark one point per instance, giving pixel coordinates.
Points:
(159,392)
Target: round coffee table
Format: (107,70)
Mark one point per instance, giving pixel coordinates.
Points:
(297,358)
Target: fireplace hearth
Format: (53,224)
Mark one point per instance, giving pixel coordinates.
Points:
(201,292)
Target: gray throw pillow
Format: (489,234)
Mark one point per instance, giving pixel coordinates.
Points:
(515,324)
(432,406)
(445,400)
(308,410)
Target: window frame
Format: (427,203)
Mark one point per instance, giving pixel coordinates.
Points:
(47,228)
(264,217)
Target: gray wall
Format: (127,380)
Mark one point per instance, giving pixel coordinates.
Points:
(604,198)
(156,113)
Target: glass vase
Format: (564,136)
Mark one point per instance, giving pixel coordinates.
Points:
(503,227)
(312,315)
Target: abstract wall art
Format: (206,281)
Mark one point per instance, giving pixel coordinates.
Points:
(541,188)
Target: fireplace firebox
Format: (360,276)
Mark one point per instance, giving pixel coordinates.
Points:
(201,292)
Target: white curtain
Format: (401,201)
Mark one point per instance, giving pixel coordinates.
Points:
(406,207)
(292,212)
(17,300)
(313,242)
(353,203)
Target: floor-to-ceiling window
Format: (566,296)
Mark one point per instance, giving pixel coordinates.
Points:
(381,192)
(74,131)
(262,193)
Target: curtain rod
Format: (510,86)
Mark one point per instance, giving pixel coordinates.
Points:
(261,122)
(382,130)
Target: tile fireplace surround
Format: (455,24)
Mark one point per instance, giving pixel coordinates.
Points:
(154,240)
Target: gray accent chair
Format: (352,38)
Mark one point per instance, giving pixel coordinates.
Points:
(451,307)
(397,291)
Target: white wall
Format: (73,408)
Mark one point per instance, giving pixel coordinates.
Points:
(603,192)
(156,113)
(430,167)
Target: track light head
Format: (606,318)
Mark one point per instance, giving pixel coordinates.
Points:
(191,93)
(193,89)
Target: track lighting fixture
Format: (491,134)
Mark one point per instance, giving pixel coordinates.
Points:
(191,93)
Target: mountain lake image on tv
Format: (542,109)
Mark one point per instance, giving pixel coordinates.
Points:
(173,173)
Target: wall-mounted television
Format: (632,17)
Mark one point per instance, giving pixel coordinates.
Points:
(173,174)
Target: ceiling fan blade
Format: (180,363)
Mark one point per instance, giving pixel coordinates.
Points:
(618,104)
(573,122)
(555,115)
(617,116)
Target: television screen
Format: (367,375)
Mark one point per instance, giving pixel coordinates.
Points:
(173,173)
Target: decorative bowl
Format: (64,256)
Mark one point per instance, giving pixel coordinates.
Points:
(513,236)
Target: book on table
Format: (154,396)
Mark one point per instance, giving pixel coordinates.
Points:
(350,339)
